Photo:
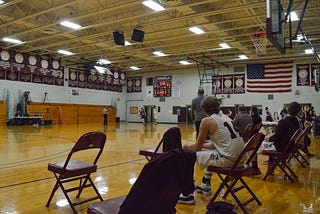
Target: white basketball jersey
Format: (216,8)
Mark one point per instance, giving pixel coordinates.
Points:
(226,140)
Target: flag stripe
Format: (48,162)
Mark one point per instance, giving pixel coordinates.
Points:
(269,78)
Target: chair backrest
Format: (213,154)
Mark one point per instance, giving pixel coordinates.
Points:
(160,182)
(295,139)
(304,133)
(90,140)
(256,128)
(251,148)
(247,133)
(171,140)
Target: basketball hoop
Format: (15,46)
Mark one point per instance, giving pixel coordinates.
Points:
(259,40)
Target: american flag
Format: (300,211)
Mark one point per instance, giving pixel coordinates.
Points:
(269,78)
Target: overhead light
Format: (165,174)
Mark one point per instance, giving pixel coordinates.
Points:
(196,30)
(70,25)
(294,16)
(15,41)
(134,68)
(184,62)
(102,70)
(153,5)
(242,56)
(1,2)
(159,53)
(65,52)
(126,43)
(103,62)
(300,38)
(224,45)
(308,51)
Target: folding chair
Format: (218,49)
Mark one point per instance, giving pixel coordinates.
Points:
(279,159)
(231,175)
(256,128)
(171,140)
(157,188)
(298,150)
(72,170)
(247,133)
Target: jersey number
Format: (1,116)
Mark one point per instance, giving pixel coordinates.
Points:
(232,134)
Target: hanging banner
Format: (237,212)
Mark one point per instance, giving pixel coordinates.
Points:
(303,75)
(239,83)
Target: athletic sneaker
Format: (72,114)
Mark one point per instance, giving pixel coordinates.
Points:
(186,199)
(204,188)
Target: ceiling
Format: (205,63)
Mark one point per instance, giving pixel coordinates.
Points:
(36,22)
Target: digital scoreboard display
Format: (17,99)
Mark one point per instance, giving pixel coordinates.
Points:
(162,86)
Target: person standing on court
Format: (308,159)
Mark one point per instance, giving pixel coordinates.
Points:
(105,116)
(197,113)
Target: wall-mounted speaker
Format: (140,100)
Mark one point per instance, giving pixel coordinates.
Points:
(118,38)
(137,35)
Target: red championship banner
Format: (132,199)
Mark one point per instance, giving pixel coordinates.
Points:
(82,78)
(5,60)
(19,62)
(58,76)
(123,78)
(99,80)
(239,83)
(303,75)
(12,75)
(216,84)
(130,81)
(227,84)
(73,77)
(314,68)
(33,64)
(92,79)
(2,73)
(137,84)
(25,74)
(116,77)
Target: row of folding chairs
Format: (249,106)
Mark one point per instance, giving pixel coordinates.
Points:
(232,178)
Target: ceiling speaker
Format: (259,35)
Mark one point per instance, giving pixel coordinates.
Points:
(118,38)
(137,35)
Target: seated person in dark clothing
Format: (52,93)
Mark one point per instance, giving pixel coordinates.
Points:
(256,119)
(286,127)
(242,119)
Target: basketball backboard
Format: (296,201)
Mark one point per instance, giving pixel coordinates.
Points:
(275,24)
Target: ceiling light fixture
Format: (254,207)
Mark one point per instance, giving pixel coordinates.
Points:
(11,40)
(135,68)
(159,53)
(103,62)
(1,2)
(184,62)
(308,51)
(153,5)
(242,56)
(70,25)
(102,70)
(224,45)
(294,16)
(65,52)
(196,30)
(126,43)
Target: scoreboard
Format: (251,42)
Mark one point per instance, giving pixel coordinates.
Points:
(162,86)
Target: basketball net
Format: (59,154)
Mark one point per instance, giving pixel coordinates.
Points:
(259,40)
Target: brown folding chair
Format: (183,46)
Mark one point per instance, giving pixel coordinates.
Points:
(279,159)
(72,169)
(247,133)
(231,175)
(171,140)
(298,150)
(256,128)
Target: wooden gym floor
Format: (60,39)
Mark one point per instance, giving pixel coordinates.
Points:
(25,182)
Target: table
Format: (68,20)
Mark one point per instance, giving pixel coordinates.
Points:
(26,120)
